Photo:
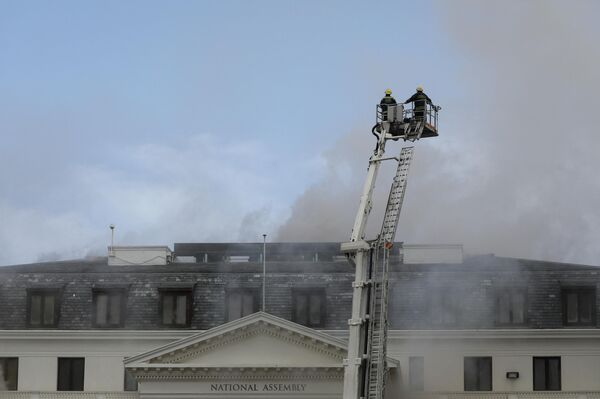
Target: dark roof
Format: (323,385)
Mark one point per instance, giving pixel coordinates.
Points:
(293,265)
(100,265)
(472,285)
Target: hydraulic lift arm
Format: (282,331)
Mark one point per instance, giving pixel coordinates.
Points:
(365,368)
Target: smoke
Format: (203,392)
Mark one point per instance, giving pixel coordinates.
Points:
(514,170)
(322,212)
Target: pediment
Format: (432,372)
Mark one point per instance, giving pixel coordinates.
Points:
(260,340)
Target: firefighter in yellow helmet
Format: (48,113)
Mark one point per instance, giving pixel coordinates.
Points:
(420,101)
(385,101)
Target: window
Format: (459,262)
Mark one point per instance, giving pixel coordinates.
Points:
(478,373)
(176,308)
(130,383)
(416,373)
(241,302)
(109,308)
(546,373)
(9,367)
(309,307)
(511,307)
(579,306)
(42,308)
(70,373)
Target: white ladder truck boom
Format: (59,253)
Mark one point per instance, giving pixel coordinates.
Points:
(365,368)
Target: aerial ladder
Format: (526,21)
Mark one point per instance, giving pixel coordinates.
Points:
(365,369)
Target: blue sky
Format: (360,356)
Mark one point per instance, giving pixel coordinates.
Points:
(82,78)
(192,121)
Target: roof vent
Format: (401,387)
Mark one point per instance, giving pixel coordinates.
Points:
(185,259)
(139,255)
(422,254)
(238,258)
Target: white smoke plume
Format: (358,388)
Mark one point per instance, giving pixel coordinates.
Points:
(514,171)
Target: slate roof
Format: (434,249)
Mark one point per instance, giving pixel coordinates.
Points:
(473,284)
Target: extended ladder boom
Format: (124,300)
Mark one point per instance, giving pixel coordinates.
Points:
(365,367)
(378,321)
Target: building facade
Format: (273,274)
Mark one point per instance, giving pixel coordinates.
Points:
(150,323)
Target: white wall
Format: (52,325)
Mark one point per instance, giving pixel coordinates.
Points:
(38,352)
(580,372)
(443,352)
(511,350)
(104,373)
(37,373)
(521,363)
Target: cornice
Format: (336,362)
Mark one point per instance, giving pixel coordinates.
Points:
(95,334)
(495,334)
(238,335)
(176,335)
(170,372)
(505,394)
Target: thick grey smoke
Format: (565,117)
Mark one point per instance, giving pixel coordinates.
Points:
(515,169)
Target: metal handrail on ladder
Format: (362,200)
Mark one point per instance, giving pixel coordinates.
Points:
(377,333)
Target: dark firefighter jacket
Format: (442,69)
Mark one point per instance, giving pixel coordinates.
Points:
(388,100)
(385,101)
(420,99)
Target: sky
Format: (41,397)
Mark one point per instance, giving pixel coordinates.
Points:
(195,121)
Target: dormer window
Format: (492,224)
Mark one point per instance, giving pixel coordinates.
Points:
(579,306)
(109,308)
(176,307)
(241,302)
(43,307)
(309,306)
(511,307)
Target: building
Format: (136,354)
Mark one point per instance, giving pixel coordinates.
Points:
(148,322)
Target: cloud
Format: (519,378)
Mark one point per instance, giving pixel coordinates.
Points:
(30,234)
(514,170)
(203,188)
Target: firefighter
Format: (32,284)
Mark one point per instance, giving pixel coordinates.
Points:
(385,101)
(420,101)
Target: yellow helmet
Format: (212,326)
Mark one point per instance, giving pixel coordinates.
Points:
(419,88)
(388,91)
